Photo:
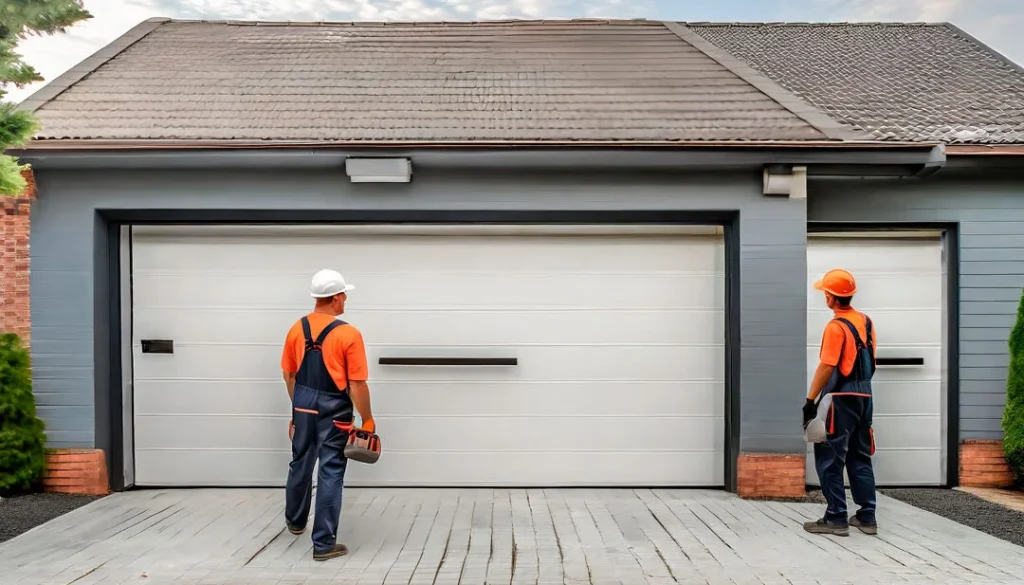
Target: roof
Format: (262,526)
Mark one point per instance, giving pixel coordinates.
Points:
(914,82)
(550,82)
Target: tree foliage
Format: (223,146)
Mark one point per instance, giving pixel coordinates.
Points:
(1013,414)
(20,19)
(22,441)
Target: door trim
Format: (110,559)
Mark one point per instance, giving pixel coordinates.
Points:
(949,235)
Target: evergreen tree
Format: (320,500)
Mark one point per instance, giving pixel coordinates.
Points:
(20,19)
(1013,414)
(22,442)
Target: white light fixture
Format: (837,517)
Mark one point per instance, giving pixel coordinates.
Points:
(788,182)
(379,170)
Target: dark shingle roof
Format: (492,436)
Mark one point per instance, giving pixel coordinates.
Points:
(907,82)
(536,82)
(454,82)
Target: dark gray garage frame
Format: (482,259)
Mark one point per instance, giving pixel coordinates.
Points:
(108,342)
(950,235)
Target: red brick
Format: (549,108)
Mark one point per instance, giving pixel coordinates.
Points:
(769,475)
(982,464)
(76,471)
(14,261)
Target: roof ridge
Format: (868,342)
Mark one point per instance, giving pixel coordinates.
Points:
(90,64)
(800,108)
(837,23)
(503,21)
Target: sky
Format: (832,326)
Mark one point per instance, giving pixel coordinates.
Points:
(997,23)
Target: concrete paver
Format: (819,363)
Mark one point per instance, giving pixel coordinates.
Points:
(509,536)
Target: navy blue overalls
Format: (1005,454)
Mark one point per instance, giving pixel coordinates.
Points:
(849,442)
(322,415)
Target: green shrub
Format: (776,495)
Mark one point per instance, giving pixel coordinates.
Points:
(1013,414)
(22,441)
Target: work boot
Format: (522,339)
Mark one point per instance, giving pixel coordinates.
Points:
(823,526)
(333,552)
(863,526)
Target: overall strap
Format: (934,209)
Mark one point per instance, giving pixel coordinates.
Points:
(327,330)
(307,333)
(853,330)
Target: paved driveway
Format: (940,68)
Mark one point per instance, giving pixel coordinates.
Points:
(496,536)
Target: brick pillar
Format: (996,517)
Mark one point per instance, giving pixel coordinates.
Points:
(769,475)
(983,464)
(76,471)
(15,215)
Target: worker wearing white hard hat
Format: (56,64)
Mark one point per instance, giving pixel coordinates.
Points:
(325,371)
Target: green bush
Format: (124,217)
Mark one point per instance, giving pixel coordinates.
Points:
(1013,414)
(22,441)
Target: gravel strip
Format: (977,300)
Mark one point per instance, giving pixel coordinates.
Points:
(966,509)
(20,514)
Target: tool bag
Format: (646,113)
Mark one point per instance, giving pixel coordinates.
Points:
(362,446)
(817,428)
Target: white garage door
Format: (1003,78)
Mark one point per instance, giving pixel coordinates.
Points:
(618,333)
(900,285)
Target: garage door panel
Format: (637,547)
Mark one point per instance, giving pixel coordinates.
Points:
(451,326)
(907,431)
(433,254)
(863,255)
(212,467)
(902,327)
(568,289)
(930,371)
(611,333)
(448,398)
(897,466)
(909,397)
(549,468)
(541,433)
(539,363)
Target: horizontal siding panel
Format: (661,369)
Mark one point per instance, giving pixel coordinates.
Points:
(1009,281)
(67,399)
(984,361)
(992,268)
(983,373)
(984,333)
(1005,310)
(982,387)
(996,321)
(991,411)
(986,399)
(969,255)
(982,435)
(994,241)
(984,228)
(992,427)
(976,294)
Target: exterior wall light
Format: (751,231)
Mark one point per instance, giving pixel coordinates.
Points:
(379,170)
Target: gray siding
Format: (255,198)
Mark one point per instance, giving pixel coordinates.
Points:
(990,214)
(773,262)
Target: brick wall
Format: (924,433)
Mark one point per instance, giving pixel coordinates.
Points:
(766,475)
(15,213)
(76,471)
(983,464)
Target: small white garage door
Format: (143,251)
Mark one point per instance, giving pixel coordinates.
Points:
(618,332)
(900,285)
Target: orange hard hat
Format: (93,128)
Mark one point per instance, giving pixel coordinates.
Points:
(837,282)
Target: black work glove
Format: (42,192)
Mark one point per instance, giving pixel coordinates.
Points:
(810,411)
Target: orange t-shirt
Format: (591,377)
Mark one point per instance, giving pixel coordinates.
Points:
(838,341)
(343,350)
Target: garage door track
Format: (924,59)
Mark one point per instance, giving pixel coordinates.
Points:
(477,536)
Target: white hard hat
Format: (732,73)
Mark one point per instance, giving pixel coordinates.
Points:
(328,283)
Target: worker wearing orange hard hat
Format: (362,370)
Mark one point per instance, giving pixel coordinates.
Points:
(840,398)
